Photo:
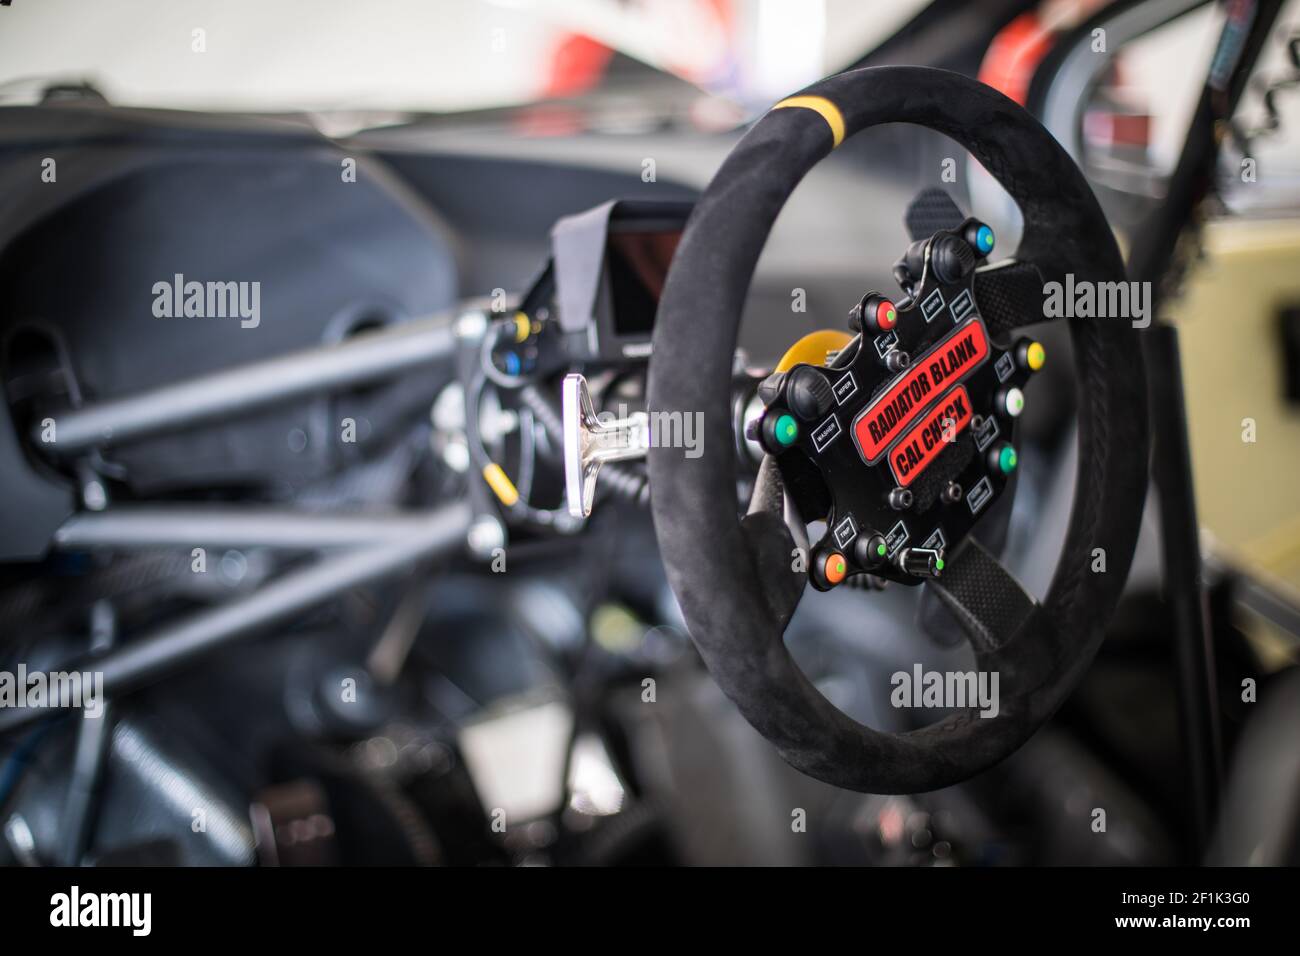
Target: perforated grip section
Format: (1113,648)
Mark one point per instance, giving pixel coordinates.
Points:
(987,601)
(1009,296)
(932,209)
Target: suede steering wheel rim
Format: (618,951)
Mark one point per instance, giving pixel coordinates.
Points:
(732,576)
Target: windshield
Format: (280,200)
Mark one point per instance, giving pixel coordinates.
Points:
(428,55)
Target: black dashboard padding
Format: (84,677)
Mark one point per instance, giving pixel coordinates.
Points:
(324,256)
(578,247)
(712,563)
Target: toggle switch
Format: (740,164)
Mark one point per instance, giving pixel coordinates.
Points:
(921,562)
(809,393)
(951,259)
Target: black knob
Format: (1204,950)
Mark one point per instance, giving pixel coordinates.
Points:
(951,258)
(913,261)
(808,393)
(921,562)
(871,550)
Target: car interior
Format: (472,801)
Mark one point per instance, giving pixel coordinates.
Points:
(696,434)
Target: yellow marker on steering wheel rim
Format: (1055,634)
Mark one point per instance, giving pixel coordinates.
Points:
(822,107)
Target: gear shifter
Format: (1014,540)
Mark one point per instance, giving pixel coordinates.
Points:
(590,442)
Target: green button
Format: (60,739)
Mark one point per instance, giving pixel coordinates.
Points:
(1007,460)
(938,564)
(787,430)
(882,550)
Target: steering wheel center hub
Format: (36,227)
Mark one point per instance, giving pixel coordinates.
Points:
(905,438)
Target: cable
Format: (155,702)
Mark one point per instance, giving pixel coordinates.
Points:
(527,453)
(491,337)
(628,482)
(624,481)
(545,413)
(514,504)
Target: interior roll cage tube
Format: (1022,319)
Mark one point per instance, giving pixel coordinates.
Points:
(1152,261)
(362,359)
(367,547)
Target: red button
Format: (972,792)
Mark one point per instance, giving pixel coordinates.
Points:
(886,315)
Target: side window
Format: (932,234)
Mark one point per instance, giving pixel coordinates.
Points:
(1133,126)
(1124,119)
(1128,131)
(1260,174)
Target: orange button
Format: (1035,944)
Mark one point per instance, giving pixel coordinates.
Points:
(835,568)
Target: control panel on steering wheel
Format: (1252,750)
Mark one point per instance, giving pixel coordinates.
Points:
(905,437)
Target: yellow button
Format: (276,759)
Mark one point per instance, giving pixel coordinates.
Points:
(522,326)
(1035,356)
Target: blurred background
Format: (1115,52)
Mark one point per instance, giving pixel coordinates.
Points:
(205,138)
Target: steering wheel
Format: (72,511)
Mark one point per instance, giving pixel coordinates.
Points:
(843,430)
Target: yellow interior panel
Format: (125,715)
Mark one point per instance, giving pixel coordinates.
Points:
(1248,493)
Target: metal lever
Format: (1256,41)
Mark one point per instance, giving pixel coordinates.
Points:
(589,442)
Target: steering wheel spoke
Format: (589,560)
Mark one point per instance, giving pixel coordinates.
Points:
(777,537)
(1009,294)
(991,606)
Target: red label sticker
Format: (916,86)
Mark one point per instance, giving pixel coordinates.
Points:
(932,434)
(888,416)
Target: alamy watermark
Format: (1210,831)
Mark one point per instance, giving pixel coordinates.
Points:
(657,429)
(133,911)
(208,300)
(947,690)
(53,689)
(1098,300)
